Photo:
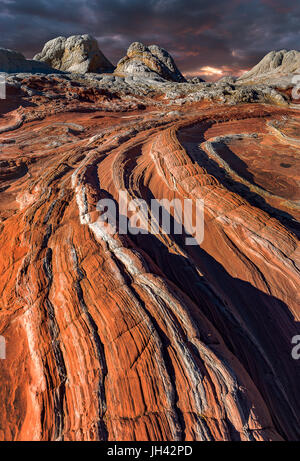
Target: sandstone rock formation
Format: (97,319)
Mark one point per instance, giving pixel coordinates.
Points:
(12,62)
(227,79)
(196,80)
(276,68)
(78,53)
(149,62)
(140,336)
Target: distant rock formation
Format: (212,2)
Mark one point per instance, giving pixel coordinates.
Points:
(276,67)
(78,53)
(14,62)
(149,62)
(227,79)
(196,80)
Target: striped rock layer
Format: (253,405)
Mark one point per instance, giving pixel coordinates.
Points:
(139,336)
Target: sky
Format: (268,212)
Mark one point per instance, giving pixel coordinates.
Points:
(206,38)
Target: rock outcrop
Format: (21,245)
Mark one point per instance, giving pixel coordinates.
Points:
(196,80)
(78,54)
(14,62)
(149,62)
(137,336)
(227,79)
(276,68)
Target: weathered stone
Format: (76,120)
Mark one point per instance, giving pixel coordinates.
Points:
(14,62)
(227,79)
(149,62)
(196,80)
(78,53)
(276,68)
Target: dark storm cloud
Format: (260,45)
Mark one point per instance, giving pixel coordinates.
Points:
(227,35)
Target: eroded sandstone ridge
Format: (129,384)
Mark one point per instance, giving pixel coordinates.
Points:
(140,337)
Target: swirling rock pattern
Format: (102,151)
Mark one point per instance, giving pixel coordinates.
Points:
(140,337)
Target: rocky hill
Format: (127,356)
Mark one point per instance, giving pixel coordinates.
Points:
(149,62)
(14,62)
(78,53)
(276,68)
